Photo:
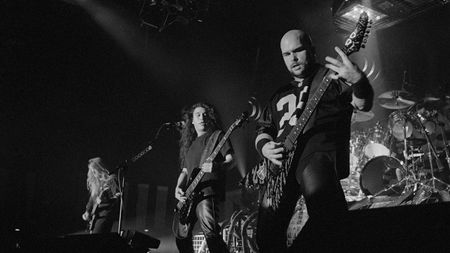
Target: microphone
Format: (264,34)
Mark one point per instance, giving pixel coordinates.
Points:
(178,124)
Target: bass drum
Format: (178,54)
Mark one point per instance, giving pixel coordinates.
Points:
(380,176)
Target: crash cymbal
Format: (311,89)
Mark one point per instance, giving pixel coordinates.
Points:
(416,142)
(360,116)
(396,99)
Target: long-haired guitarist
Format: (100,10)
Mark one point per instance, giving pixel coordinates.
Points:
(103,197)
(199,133)
(321,151)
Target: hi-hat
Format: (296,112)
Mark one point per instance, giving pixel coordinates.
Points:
(396,99)
(360,116)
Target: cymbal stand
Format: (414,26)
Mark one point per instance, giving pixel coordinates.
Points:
(444,139)
(405,144)
(432,152)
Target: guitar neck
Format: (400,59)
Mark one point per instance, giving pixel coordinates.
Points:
(211,158)
(291,138)
(220,144)
(213,155)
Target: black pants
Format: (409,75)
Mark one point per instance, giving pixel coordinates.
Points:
(315,177)
(105,217)
(207,215)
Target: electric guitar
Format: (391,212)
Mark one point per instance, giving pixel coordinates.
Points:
(278,175)
(185,211)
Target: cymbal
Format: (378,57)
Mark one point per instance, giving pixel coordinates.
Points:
(360,116)
(396,99)
(432,103)
(431,99)
(416,142)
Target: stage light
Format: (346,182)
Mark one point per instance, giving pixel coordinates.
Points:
(354,13)
(383,13)
(159,14)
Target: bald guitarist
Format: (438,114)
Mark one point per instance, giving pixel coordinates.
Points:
(309,160)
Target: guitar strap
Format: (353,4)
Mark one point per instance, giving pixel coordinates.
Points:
(212,140)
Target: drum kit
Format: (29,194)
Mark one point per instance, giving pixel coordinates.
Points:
(409,153)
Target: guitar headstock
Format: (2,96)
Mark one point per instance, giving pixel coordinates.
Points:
(242,118)
(358,38)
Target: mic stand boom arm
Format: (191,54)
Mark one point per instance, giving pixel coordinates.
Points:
(121,169)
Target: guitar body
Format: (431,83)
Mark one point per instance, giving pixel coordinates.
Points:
(91,222)
(180,231)
(186,211)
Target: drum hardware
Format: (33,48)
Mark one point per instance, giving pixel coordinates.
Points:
(415,142)
(376,142)
(431,154)
(400,125)
(444,138)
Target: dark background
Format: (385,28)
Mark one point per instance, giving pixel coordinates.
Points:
(74,86)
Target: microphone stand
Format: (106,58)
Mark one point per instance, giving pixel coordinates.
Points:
(121,171)
(432,153)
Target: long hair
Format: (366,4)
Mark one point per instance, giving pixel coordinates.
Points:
(98,178)
(188,133)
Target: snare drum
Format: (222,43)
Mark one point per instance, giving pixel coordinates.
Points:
(381,173)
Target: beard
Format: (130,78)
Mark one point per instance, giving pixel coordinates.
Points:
(303,70)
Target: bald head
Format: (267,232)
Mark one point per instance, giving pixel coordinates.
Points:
(293,36)
(298,53)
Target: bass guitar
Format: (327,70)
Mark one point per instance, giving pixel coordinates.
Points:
(184,211)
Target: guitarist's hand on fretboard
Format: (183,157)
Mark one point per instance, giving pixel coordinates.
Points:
(86,216)
(179,194)
(274,152)
(343,68)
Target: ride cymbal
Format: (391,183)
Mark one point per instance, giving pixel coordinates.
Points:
(396,99)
